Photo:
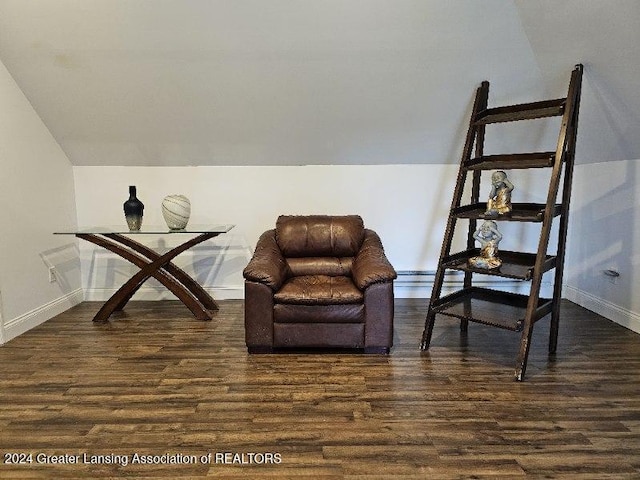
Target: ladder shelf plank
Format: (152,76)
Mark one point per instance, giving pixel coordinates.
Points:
(505,310)
(512,161)
(523,111)
(516,265)
(522,212)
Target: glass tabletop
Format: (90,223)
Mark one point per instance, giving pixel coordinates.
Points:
(146,230)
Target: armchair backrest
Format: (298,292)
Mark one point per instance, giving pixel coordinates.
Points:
(319,235)
(319,244)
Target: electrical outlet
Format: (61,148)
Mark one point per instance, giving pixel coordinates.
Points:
(52,275)
(613,275)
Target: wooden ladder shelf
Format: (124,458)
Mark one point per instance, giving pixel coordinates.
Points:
(502,309)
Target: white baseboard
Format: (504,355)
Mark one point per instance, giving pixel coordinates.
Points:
(615,313)
(227,292)
(35,317)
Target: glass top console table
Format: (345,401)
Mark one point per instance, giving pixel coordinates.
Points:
(152,264)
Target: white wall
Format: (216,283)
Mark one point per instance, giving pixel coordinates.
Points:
(37,196)
(406,204)
(604,233)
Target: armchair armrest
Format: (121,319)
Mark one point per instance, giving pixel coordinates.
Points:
(267,266)
(371,265)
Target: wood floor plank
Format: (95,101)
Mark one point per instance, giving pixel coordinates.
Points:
(153,381)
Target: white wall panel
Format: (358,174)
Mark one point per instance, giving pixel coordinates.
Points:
(37,196)
(604,234)
(406,204)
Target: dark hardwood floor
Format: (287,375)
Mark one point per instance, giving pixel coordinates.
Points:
(154,382)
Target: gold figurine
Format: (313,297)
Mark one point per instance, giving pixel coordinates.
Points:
(489,237)
(500,197)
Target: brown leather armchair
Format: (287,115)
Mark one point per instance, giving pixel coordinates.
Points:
(319,281)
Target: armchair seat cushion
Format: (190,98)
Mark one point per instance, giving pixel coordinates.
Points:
(319,290)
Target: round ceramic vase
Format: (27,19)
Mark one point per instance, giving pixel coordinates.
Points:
(176,210)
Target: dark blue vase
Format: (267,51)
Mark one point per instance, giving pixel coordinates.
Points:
(133,210)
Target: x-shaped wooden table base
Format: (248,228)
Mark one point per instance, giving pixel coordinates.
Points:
(154,265)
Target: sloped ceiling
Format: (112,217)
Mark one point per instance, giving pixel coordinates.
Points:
(605,36)
(291,82)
